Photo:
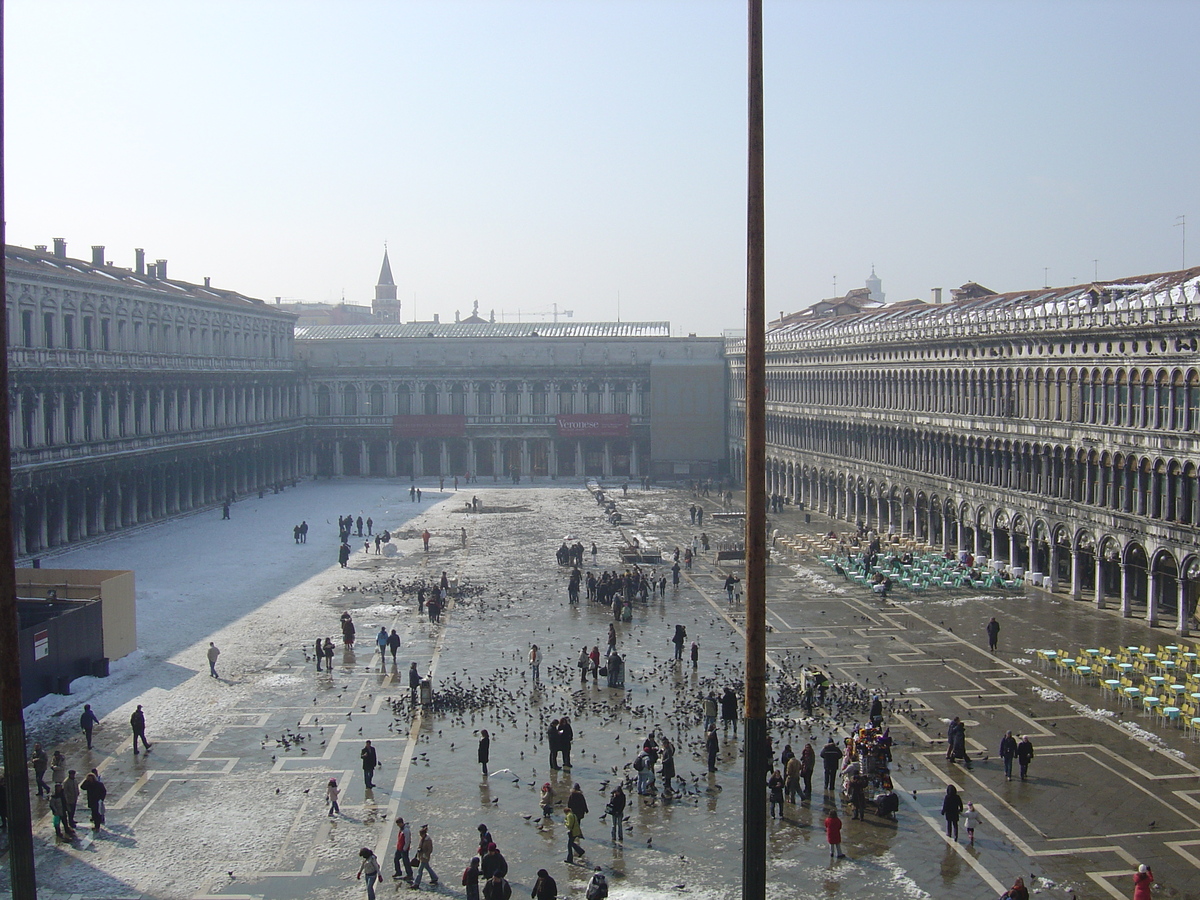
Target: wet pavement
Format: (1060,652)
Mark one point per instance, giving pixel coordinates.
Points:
(228,803)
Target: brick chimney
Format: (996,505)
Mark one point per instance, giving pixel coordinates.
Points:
(97,254)
(60,248)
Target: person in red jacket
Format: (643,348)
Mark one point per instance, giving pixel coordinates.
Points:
(833,834)
(1143,878)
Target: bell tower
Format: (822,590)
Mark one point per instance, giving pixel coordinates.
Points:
(385,306)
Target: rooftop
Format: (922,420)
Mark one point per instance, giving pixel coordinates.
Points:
(384,330)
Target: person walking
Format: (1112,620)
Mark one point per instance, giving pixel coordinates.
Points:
(58,768)
(970,817)
(574,832)
(137,723)
(425,536)
(369,865)
(414,682)
(393,643)
(369,762)
(470,878)
(1024,754)
(485,749)
(331,794)
(616,809)
(831,757)
(40,762)
(1008,752)
(993,633)
(711,747)
(403,849)
(381,642)
(88,721)
(952,807)
(577,803)
(709,707)
(833,834)
(212,653)
(424,853)
(1143,879)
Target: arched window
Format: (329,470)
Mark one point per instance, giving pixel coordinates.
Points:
(538,398)
(376,400)
(566,398)
(512,399)
(323,404)
(403,400)
(431,400)
(350,400)
(484,398)
(620,396)
(458,400)
(593,398)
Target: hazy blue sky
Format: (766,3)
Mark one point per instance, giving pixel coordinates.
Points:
(531,153)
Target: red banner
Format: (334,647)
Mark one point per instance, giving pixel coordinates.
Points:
(429,426)
(601,425)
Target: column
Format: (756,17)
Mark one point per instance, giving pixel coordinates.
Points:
(607,469)
(497,460)
(1181,620)
(634,468)
(337,458)
(364,459)
(1099,598)
(526,463)
(418,459)
(391,459)
(579,459)
(472,464)
(1153,587)
(444,457)
(1126,605)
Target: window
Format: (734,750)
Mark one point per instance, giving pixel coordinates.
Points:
(105,337)
(512,399)
(403,400)
(86,334)
(376,400)
(593,398)
(323,404)
(485,398)
(48,329)
(538,399)
(620,398)
(69,332)
(458,400)
(431,400)
(566,400)
(350,401)
(27,327)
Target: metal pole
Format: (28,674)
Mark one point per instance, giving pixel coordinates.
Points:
(754,805)
(12,714)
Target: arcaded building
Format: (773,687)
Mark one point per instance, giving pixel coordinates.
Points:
(504,400)
(133,396)
(1052,429)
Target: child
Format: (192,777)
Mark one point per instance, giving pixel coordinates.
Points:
(331,794)
(833,834)
(970,817)
(470,879)
(547,801)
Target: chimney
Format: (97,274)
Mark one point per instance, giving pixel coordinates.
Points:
(277,300)
(60,248)
(97,254)
(937,295)
(152,272)
(40,248)
(435,319)
(139,264)
(161,268)
(207,281)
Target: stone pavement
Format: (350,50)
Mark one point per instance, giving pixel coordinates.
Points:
(228,803)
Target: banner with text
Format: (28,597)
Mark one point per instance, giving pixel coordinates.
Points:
(600,425)
(429,426)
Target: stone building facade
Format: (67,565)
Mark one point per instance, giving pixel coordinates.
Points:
(1055,430)
(500,400)
(133,397)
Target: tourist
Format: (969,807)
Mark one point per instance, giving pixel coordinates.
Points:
(370,863)
(331,794)
(137,723)
(1024,754)
(833,834)
(952,807)
(424,853)
(88,721)
(485,749)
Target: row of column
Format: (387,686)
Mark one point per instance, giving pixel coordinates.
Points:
(495,447)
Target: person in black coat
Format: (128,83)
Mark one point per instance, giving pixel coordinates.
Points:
(577,803)
(369,761)
(545,888)
(566,735)
(485,744)
(831,756)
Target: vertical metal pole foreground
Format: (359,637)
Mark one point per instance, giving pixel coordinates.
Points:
(754,806)
(12,716)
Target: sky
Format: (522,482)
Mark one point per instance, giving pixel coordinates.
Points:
(591,154)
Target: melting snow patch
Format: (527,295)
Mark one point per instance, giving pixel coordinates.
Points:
(902,885)
(1047,694)
(1021,661)
(912,690)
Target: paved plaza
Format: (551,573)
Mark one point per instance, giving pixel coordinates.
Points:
(229,801)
